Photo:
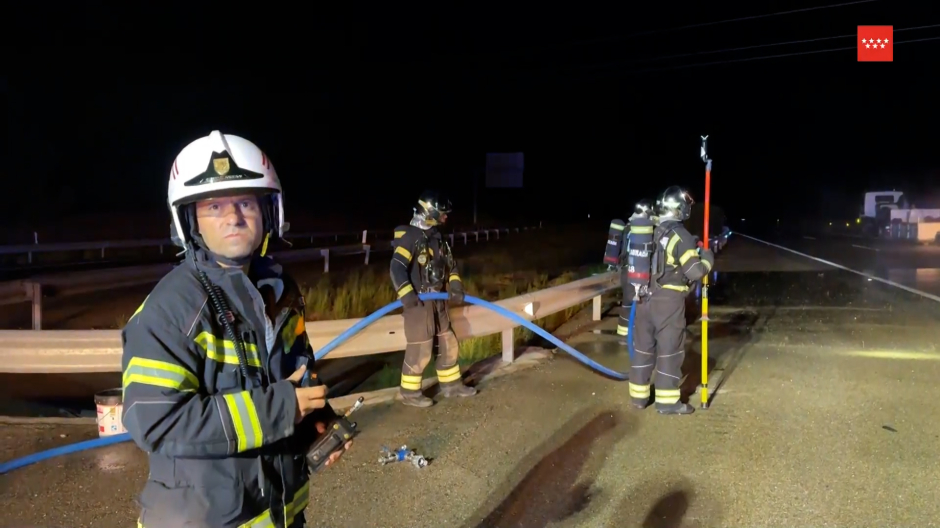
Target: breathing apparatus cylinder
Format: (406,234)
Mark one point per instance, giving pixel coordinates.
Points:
(640,250)
(614,242)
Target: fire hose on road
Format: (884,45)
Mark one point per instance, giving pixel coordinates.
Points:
(6,467)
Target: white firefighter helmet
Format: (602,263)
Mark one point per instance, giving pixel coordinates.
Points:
(221,164)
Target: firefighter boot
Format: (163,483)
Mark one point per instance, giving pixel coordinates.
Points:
(456,389)
(415,399)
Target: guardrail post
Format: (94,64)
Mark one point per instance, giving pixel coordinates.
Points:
(596,312)
(517,230)
(497,233)
(367,249)
(487,234)
(451,239)
(477,234)
(365,233)
(29,257)
(102,253)
(161,249)
(325,253)
(508,344)
(34,290)
(464,238)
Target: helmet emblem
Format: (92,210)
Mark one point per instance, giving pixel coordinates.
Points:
(221,166)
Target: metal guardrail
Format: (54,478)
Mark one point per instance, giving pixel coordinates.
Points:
(104,245)
(84,351)
(64,284)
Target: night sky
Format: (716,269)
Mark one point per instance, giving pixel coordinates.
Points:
(360,112)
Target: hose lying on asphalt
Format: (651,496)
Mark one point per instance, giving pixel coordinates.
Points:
(17,463)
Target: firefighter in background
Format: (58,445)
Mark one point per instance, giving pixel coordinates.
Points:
(659,326)
(640,234)
(423,263)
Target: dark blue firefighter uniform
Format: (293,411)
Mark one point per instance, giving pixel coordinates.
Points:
(224,450)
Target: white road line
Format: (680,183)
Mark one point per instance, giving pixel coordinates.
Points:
(840,266)
(865,247)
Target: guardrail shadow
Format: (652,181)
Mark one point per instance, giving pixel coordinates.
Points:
(554,481)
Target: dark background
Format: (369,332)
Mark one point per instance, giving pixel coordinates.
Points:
(361,110)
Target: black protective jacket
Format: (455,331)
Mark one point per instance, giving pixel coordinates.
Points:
(224,450)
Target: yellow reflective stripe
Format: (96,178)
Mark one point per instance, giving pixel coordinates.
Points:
(667,396)
(159,374)
(410,382)
(639,391)
(670,247)
(262,521)
(399,234)
(641,230)
(622,330)
(449,375)
(675,287)
(404,253)
(245,419)
(453,277)
(687,255)
(297,506)
(708,265)
(139,308)
(405,289)
(226,353)
(616,227)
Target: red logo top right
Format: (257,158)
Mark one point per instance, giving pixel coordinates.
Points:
(875,43)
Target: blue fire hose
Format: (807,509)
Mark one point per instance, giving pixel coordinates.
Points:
(6,467)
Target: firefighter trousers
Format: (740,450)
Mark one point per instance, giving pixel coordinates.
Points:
(426,325)
(659,346)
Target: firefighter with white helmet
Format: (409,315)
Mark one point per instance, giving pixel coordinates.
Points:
(215,356)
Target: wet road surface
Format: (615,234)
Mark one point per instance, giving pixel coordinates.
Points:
(903,262)
(824,416)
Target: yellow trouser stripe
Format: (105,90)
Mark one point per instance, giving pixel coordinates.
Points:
(405,289)
(404,253)
(262,521)
(223,350)
(409,382)
(622,330)
(159,374)
(297,506)
(667,396)
(448,375)
(453,277)
(245,419)
(639,391)
(687,255)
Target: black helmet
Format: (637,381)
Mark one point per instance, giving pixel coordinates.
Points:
(432,206)
(675,204)
(643,207)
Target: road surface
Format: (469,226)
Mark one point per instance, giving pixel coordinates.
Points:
(824,416)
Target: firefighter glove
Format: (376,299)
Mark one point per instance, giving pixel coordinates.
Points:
(455,296)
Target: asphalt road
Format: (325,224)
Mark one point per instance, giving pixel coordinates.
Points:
(917,266)
(824,415)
